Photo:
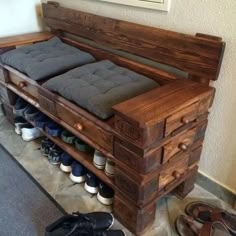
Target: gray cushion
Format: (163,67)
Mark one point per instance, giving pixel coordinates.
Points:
(98,86)
(46,59)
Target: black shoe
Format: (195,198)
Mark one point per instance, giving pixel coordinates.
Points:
(105,194)
(54,155)
(91,184)
(73,224)
(46,144)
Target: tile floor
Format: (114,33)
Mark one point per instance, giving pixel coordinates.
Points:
(72,197)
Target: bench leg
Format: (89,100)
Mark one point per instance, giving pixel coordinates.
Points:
(187,186)
(136,219)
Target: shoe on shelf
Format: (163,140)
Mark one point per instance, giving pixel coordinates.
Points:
(46,144)
(68,137)
(54,155)
(99,160)
(78,172)
(66,162)
(20,122)
(86,224)
(110,168)
(92,183)
(29,133)
(41,120)
(53,129)
(31,112)
(20,106)
(82,146)
(105,194)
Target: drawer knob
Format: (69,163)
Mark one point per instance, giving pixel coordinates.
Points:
(183,147)
(22,84)
(176,175)
(185,120)
(78,127)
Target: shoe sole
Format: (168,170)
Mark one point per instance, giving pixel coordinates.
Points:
(104,201)
(30,139)
(66,169)
(100,167)
(77,179)
(18,131)
(92,190)
(109,175)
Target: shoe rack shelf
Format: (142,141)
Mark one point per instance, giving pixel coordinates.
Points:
(84,158)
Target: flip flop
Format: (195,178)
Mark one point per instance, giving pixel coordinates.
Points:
(205,212)
(185,226)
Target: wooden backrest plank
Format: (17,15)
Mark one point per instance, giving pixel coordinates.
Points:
(198,56)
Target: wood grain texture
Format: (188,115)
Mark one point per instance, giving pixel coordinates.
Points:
(195,55)
(152,107)
(24,39)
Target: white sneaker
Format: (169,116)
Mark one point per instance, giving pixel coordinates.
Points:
(99,160)
(30,133)
(110,168)
(20,123)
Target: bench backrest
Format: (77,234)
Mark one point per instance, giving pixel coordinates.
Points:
(200,56)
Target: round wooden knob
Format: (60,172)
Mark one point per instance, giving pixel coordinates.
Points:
(78,126)
(22,84)
(185,120)
(183,147)
(176,174)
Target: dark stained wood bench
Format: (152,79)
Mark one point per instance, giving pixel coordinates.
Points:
(156,138)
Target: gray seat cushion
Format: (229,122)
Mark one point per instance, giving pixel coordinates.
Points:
(46,59)
(98,86)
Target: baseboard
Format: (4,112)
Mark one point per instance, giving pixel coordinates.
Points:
(216,189)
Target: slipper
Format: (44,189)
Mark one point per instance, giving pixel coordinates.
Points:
(204,212)
(185,226)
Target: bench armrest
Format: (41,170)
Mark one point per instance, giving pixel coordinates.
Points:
(17,40)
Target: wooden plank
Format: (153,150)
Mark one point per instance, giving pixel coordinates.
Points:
(196,55)
(152,107)
(24,39)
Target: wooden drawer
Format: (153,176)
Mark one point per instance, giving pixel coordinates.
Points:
(27,86)
(172,171)
(84,126)
(180,144)
(181,118)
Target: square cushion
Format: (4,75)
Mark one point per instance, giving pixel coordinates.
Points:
(45,59)
(98,86)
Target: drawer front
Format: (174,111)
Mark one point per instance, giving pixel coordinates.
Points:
(141,164)
(85,127)
(180,144)
(23,85)
(181,118)
(172,171)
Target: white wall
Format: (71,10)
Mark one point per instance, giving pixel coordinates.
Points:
(19,16)
(191,16)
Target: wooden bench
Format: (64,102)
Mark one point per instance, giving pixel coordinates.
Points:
(156,138)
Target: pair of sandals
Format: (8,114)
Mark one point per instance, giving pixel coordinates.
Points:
(216,221)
